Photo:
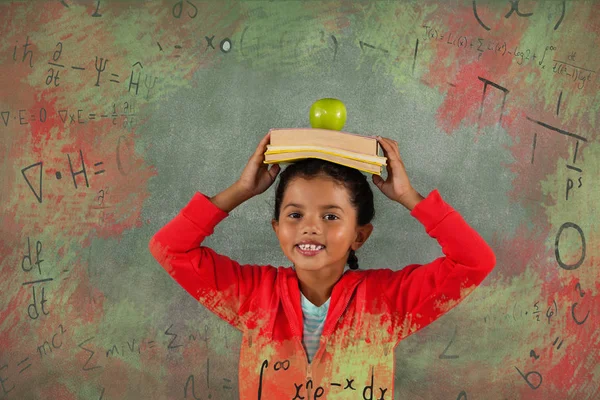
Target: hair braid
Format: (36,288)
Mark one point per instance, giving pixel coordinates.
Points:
(352,260)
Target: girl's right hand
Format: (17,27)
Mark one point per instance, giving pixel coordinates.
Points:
(257,176)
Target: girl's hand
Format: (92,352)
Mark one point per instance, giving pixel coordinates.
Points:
(397,186)
(256,176)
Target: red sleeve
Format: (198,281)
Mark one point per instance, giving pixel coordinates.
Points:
(419,294)
(219,283)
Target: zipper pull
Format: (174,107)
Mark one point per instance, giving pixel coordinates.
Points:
(309,379)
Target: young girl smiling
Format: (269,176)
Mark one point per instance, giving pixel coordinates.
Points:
(316,330)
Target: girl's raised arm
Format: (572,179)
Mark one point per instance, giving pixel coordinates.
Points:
(419,294)
(222,285)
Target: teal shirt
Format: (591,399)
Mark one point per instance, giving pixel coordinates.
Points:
(314,320)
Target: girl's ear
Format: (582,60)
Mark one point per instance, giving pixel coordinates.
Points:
(275,225)
(362,234)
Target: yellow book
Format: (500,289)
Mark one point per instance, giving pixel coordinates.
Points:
(377,160)
(349,149)
(295,156)
(325,138)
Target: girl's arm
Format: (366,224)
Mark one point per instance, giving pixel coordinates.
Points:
(222,285)
(419,294)
(219,283)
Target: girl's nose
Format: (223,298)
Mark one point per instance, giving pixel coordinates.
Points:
(311,225)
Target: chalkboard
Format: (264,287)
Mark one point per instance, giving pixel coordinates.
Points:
(114,113)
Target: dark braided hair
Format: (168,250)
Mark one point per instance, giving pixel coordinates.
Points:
(361,195)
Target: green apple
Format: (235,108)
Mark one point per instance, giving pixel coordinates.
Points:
(328,113)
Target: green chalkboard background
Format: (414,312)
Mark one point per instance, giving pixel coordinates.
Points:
(495,104)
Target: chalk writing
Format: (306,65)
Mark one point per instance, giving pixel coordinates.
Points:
(504,91)
(27,265)
(39,166)
(70,117)
(54,343)
(578,320)
(307,390)
(535,313)
(484,46)
(190,381)
(96,13)
(56,66)
(26,53)
(26,363)
(559,260)
(534,378)
(255,44)
(149,80)
(570,184)
(537,378)
(514,8)
(52,77)
(415,56)
(577,74)
(443,355)
(568,70)
(191,9)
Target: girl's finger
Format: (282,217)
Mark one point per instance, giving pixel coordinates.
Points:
(265,141)
(389,153)
(262,146)
(393,147)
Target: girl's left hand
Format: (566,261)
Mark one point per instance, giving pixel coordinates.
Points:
(397,186)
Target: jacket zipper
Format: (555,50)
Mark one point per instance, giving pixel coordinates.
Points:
(319,351)
(308,366)
(321,345)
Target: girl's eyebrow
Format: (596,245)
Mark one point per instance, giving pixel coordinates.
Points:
(325,207)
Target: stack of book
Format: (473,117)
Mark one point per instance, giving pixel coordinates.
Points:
(351,150)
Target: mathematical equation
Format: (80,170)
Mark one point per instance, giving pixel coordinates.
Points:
(28,263)
(53,77)
(307,390)
(40,116)
(97,359)
(572,184)
(534,378)
(564,69)
(577,310)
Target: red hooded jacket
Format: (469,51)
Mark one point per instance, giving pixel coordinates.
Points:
(369,313)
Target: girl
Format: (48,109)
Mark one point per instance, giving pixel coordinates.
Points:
(315,331)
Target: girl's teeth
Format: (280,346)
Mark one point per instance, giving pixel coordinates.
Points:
(310,247)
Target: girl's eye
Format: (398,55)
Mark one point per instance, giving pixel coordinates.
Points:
(297,215)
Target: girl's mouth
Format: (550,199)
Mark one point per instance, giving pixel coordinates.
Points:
(309,251)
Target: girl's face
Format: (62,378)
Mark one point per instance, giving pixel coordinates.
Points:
(318,211)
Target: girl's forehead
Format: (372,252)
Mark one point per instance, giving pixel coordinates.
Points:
(318,189)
